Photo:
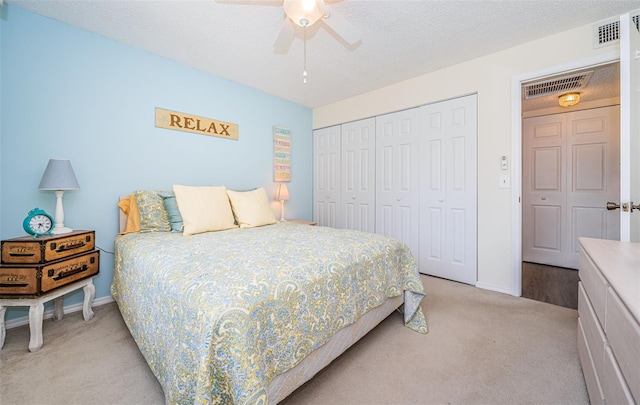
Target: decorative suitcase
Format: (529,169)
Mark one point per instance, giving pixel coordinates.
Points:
(33,280)
(43,249)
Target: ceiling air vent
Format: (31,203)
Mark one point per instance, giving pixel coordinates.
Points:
(557,85)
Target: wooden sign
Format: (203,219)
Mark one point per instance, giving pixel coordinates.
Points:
(281,154)
(192,123)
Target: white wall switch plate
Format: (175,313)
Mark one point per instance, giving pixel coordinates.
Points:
(504,181)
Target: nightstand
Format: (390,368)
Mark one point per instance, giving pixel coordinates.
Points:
(37,270)
(302,221)
(36,309)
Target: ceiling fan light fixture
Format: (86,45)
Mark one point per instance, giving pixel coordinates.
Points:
(569,99)
(304,12)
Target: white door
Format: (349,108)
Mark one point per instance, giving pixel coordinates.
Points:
(326,173)
(570,170)
(397,177)
(629,126)
(358,175)
(448,189)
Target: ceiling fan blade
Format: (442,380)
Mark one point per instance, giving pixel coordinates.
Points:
(341,26)
(285,37)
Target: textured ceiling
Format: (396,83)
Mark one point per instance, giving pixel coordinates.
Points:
(401,39)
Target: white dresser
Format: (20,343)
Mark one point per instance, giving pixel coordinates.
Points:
(608,323)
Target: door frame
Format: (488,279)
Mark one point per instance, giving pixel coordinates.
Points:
(516,152)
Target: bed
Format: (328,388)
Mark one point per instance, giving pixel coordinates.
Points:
(246,315)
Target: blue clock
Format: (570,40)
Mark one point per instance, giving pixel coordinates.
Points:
(38,223)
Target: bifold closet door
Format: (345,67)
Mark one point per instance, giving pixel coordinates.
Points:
(448,190)
(357,200)
(397,177)
(326,176)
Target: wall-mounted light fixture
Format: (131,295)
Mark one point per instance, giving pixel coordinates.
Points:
(569,99)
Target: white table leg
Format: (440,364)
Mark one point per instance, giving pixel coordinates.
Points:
(58,308)
(3,332)
(36,311)
(89,294)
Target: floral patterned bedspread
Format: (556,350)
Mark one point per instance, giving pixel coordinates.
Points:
(218,315)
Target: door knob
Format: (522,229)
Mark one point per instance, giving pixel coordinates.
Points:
(634,207)
(612,206)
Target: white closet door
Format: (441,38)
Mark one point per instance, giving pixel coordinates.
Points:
(593,176)
(448,191)
(397,177)
(326,172)
(544,220)
(358,175)
(571,168)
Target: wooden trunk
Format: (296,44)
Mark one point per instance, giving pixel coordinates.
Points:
(32,280)
(43,249)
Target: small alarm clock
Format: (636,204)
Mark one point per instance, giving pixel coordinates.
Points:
(38,223)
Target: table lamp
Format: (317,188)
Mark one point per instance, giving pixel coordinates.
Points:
(282,194)
(59,176)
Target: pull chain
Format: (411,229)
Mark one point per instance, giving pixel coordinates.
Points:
(304,72)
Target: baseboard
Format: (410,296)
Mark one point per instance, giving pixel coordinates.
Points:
(24,320)
(491,287)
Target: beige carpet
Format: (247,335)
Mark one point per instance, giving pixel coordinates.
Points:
(483,348)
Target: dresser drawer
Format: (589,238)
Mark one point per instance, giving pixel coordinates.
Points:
(594,389)
(594,283)
(623,334)
(594,334)
(614,385)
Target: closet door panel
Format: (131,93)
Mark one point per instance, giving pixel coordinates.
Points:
(448,192)
(358,175)
(397,177)
(326,181)
(593,176)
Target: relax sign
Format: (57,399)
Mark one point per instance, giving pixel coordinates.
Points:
(192,123)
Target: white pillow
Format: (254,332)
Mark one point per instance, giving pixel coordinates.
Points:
(204,209)
(251,208)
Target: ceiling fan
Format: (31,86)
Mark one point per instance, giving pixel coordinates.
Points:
(305,13)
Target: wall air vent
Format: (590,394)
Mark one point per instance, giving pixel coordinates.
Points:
(557,85)
(608,32)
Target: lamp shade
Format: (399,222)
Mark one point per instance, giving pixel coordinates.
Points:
(282,193)
(59,175)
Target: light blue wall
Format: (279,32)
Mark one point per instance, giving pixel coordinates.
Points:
(68,93)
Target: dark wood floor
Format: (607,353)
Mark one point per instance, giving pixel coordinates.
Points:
(555,285)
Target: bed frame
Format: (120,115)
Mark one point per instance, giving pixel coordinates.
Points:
(284,384)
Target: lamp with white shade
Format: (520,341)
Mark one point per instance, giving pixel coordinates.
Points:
(282,194)
(59,176)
